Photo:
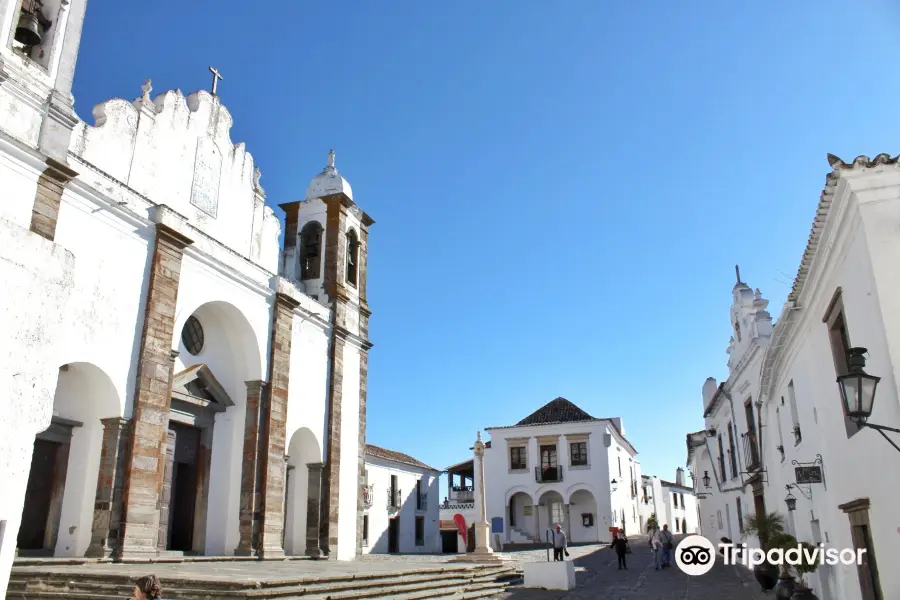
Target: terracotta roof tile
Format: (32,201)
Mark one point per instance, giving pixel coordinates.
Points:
(559,410)
(397,457)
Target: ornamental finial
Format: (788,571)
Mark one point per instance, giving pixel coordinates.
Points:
(330,164)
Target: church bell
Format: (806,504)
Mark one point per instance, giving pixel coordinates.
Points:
(28,31)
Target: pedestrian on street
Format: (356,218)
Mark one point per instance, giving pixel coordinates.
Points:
(559,544)
(666,539)
(620,545)
(656,548)
(146,588)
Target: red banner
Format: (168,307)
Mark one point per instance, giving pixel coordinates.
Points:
(461,527)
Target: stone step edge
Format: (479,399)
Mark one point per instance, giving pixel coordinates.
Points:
(410,582)
(482,570)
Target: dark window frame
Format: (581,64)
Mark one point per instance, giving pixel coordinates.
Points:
(518,458)
(578,454)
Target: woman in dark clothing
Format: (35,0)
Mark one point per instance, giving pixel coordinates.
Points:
(146,588)
(620,545)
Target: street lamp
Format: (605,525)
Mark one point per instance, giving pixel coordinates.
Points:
(706,479)
(791,501)
(858,394)
(614,485)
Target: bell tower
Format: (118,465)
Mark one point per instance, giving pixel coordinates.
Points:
(326,255)
(39,42)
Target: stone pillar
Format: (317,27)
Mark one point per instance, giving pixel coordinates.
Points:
(313,510)
(250,472)
(275,419)
(106,525)
(153,396)
(482,527)
(48,197)
(361,500)
(331,476)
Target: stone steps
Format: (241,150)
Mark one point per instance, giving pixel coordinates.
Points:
(460,583)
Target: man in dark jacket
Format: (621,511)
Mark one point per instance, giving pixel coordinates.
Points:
(620,545)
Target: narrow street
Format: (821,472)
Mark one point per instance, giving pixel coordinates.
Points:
(599,579)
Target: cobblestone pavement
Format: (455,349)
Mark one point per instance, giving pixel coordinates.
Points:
(599,578)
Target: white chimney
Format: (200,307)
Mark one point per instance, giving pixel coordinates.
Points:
(709,390)
(679,476)
(617,421)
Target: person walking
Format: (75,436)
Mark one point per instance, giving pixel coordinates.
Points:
(559,544)
(656,548)
(666,539)
(620,545)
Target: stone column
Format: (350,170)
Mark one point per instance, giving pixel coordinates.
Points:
(48,197)
(482,527)
(275,420)
(328,520)
(105,528)
(313,510)
(250,472)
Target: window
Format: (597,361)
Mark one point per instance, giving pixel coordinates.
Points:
(557,516)
(548,458)
(311,251)
(740,514)
(395,493)
(732,454)
(420,531)
(780,430)
(676,526)
(619,458)
(722,459)
(365,532)
(681,499)
(192,335)
(684,526)
(795,416)
(675,500)
(578,452)
(517,459)
(352,257)
(419,498)
(839,337)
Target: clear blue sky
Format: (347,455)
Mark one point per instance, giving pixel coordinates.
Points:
(561,193)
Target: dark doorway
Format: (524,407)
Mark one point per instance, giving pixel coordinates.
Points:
(183,503)
(449,542)
(548,463)
(512,511)
(38,495)
(393,535)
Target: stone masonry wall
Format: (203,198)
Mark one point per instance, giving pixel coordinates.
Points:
(150,415)
(48,197)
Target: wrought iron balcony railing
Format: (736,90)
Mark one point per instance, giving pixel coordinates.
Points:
(548,474)
(393,498)
(368,494)
(422,501)
(751,450)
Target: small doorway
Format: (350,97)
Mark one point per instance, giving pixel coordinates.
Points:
(450,542)
(44,491)
(184,492)
(512,511)
(393,535)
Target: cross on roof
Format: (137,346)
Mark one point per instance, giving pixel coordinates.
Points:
(216,78)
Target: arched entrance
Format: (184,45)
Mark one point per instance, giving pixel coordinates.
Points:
(552,511)
(303,486)
(218,364)
(522,519)
(62,482)
(583,517)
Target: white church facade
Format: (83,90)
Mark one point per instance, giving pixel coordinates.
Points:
(560,465)
(177,382)
(823,467)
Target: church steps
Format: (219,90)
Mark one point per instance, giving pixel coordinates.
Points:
(428,584)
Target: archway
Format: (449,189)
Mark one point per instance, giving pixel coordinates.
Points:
(521,515)
(303,476)
(583,521)
(218,361)
(552,511)
(62,482)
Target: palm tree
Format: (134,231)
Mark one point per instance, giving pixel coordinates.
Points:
(765,527)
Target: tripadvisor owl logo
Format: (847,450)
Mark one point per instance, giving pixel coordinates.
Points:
(695,555)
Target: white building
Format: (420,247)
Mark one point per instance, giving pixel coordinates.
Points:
(459,501)
(672,502)
(401,500)
(844,296)
(172,373)
(561,466)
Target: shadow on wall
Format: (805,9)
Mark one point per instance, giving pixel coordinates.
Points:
(402,523)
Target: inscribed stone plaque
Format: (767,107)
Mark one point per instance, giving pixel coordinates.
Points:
(207,173)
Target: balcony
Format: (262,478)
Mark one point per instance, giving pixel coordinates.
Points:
(368,494)
(462,493)
(548,474)
(422,501)
(394,499)
(751,450)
